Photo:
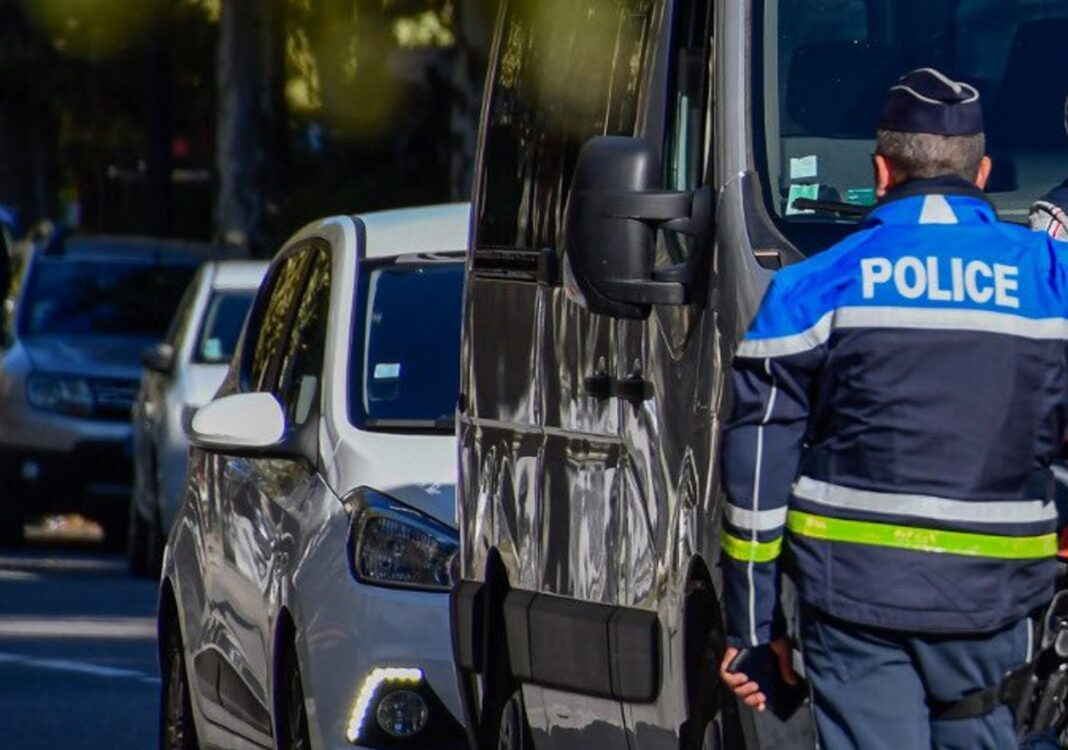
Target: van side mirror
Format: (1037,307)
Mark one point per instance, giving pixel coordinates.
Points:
(159,358)
(613,215)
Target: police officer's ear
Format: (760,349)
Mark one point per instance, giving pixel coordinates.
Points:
(887,176)
(984,173)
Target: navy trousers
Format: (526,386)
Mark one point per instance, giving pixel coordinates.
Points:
(870,687)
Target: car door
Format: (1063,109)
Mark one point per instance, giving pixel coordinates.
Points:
(274,507)
(240,578)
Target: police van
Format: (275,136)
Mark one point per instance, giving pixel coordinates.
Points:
(644,166)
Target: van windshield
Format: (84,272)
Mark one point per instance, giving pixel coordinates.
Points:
(828,63)
(406,364)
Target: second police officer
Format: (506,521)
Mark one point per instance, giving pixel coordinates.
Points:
(898,401)
(1050,213)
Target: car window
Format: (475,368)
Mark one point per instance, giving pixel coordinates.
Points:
(224,318)
(404,372)
(74,297)
(569,70)
(302,362)
(688,130)
(272,321)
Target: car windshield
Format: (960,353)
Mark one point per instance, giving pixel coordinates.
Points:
(828,63)
(405,367)
(223,320)
(111,297)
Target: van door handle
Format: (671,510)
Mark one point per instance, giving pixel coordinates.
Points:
(633,388)
(599,386)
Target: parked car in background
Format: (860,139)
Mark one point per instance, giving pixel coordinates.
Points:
(304,593)
(182,373)
(70,370)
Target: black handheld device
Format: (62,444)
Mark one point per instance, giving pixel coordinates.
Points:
(761,666)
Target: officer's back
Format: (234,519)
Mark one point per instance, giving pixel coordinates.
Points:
(945,341)
(898,401)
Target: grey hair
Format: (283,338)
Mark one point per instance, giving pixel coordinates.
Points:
(921,156)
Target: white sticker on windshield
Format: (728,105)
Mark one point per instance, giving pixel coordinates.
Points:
(387,371)
(804,168)
(212,349)
(811,192)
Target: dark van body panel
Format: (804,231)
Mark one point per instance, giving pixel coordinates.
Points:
(589,491)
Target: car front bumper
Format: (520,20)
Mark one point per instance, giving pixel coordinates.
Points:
(94,477)
(355,635)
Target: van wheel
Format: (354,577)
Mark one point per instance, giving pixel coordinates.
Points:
(513,729)
(177,730)
(294,723)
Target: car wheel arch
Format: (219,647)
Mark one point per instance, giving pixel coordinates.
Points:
(284,642)
(168,616)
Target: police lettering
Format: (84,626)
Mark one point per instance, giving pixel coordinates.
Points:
(944,279)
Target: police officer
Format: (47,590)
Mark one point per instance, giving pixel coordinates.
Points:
(897,402)
(1050,213)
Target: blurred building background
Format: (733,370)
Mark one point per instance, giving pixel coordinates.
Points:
(235,120)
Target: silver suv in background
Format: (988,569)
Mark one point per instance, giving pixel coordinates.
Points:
(70,371)
(182,373)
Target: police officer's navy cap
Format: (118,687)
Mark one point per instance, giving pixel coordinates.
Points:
(926,101)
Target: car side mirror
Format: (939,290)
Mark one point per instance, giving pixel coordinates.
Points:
(160,358)
(613,215)
(250,425)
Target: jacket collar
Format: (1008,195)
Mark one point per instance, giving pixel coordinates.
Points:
(942,200)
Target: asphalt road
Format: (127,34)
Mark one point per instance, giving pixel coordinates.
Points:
(77,652)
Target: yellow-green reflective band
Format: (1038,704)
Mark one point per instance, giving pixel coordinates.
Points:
(746,551)
(922,540)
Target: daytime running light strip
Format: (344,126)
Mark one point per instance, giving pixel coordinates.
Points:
(376,679)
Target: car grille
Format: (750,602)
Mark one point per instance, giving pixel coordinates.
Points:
(113,399)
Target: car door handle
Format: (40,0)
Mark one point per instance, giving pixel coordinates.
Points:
(599,386)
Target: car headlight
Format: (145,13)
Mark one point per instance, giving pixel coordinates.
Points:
(396,545)
(66,395)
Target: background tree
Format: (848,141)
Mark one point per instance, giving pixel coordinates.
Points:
(251,117)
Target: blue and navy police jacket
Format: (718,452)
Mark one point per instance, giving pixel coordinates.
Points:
(897,403)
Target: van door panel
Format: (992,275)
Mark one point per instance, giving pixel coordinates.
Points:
(581,523)
(503,335)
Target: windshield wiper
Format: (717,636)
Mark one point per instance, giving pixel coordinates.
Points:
(851,210)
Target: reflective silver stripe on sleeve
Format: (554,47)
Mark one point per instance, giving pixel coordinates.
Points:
(924,506)
(755,520)
(758,465)
(784,346)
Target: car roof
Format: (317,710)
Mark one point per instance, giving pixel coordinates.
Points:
(238,274)
(427,229)
(153,249)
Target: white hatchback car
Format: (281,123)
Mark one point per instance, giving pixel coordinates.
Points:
(181,374)
(303,601)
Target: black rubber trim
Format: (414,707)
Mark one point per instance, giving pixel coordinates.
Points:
(466,603)
(206,669)
(236,697)
(583,647)
(634,648)
(517,625)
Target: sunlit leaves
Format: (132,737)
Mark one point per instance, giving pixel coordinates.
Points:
(426,29)
(93,29)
